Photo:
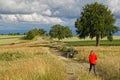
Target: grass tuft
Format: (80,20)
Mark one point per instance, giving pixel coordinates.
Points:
(9,56)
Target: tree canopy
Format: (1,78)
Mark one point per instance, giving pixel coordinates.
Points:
(96,21)
(35,32)
(60,32)
(41,32)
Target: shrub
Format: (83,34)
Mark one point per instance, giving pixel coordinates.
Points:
(70,50)
(64,49)
(31,34)
(34,32)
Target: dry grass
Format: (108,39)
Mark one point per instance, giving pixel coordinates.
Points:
(38,64)
(108,65)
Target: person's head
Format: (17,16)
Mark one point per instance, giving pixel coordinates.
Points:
(91,51)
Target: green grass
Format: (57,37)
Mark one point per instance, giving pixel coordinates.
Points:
(10,36)
(75,41)
(93,43)
(6,40)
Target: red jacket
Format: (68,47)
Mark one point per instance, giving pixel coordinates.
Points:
(92,58)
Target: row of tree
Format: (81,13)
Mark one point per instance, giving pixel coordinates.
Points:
(57,31)
(17,33)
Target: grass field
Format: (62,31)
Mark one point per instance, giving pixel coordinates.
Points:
(35,61)
(93,43)
(75,38)
(108,65)
(7,39)
(26,63)
(74,41)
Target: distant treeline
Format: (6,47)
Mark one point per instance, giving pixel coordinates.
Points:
(17,33)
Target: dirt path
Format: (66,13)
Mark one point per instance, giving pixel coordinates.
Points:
(73,68)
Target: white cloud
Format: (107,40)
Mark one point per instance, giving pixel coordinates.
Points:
(22,6)
(30,18)
(65,8)
(39,6)
(48,11)
(43,11)
(114,6)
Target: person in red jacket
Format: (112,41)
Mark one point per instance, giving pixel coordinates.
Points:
(92,61)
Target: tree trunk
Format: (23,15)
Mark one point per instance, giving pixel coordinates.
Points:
(97,40)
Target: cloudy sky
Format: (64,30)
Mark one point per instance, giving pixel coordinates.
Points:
(28,14)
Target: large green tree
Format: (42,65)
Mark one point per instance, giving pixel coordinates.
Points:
(60,32)
(96,21)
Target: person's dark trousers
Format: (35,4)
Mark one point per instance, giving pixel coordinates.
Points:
(94,68)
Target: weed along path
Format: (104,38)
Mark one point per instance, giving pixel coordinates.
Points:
(74,70)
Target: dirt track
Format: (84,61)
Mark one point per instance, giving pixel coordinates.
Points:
(73,67)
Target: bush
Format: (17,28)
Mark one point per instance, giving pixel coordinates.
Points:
(64,49)
(34,32)
(31,34)
(70,50)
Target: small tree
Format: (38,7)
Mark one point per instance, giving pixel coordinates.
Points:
(32,33)
(60,32)
(35,32)
(96,21)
